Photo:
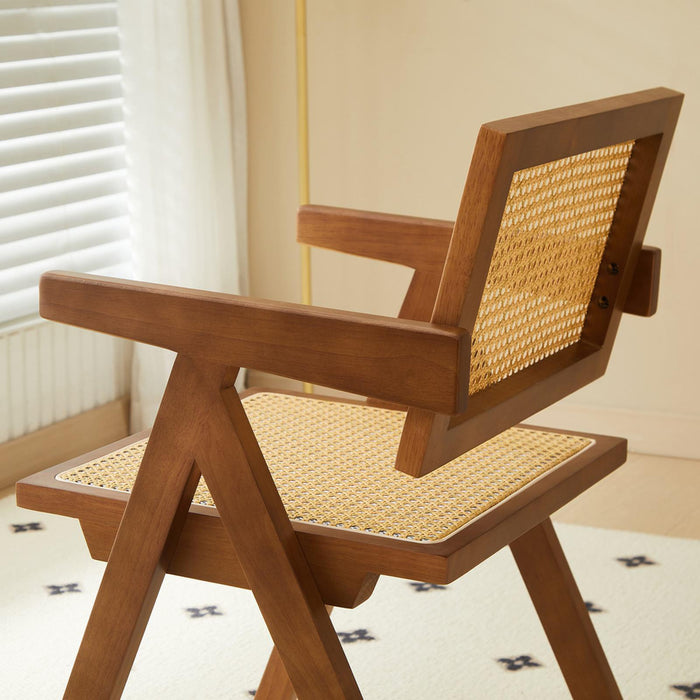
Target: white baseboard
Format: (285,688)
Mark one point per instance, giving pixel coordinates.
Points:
(649,433)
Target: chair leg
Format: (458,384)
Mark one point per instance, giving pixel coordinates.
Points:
(275,683)
(563,614)
(146,539)
(270,554)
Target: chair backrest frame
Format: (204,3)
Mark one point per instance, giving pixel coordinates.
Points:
(503,148)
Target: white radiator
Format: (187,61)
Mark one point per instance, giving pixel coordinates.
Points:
(50,371)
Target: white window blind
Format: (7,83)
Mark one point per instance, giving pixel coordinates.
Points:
(62,178)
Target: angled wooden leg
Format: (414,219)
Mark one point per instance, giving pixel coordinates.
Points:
(146,538)
(563,614)
(275,683)
(255,519)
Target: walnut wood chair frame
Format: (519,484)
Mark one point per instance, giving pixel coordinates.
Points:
(419,361)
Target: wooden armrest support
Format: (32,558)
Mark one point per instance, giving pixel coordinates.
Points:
(410,362)
(406,240)
(643,297)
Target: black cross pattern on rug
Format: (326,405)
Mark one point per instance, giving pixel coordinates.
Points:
(689,691)
(65,588)
(639,560)
(593,608)
(26,527)
(206,611)
(419,587)
(361,635)
(517,663)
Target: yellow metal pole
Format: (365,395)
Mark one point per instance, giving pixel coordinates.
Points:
(303,146)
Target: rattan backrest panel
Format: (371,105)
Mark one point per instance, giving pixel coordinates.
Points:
(545,262)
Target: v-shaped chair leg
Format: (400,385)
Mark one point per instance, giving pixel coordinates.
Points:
(255,519)
(201,418)
(563,614)
(146,539)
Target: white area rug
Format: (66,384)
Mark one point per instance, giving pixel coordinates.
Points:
(478,638)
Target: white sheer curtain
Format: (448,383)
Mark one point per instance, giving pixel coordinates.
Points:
(186,157)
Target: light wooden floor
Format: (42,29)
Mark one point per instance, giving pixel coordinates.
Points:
(647,494)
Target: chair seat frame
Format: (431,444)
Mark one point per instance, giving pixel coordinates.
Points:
(345,563)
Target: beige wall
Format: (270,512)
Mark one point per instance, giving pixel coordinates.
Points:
(398,89)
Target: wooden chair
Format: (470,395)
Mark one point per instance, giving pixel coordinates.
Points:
(510,308)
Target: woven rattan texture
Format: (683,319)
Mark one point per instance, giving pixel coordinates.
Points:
(545,261)
(333,464)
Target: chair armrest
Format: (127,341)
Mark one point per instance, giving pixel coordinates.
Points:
(406,240)
(422,244)
(408,362)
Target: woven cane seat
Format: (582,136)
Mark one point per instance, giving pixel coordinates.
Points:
(333,465)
